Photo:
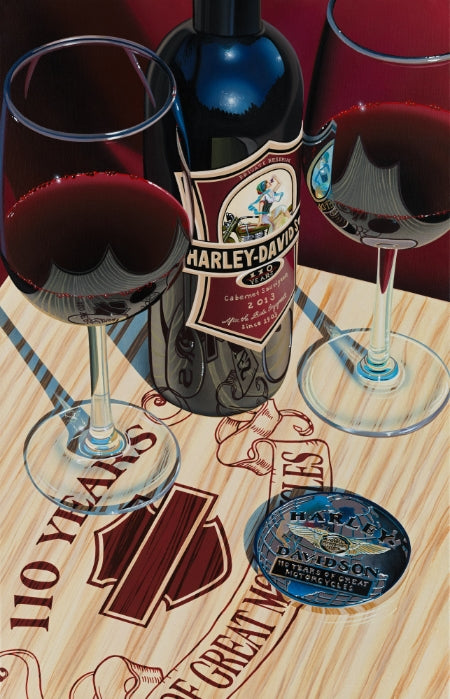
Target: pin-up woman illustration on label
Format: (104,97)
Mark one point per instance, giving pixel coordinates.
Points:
(268,194)
(264,217)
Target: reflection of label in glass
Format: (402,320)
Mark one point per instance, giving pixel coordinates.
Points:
(319,175)
(245,252)
(320,151)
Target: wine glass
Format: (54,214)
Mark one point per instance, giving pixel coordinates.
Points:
(90,241)
(377,163)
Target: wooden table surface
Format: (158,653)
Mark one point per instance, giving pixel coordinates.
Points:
(81,616)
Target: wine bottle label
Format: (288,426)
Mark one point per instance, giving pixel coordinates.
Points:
(245,249)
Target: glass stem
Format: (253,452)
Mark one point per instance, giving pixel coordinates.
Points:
(102,438)
(378,363)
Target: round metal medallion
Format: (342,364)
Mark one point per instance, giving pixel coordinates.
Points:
(332,549)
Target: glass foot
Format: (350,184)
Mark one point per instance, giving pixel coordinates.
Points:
(142,471)
(336,386)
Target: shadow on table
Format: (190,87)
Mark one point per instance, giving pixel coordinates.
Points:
(349,351)
(130,337)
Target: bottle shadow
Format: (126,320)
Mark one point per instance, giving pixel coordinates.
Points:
(347,349)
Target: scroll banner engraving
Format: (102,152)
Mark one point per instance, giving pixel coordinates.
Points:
(256,619)
(164,557)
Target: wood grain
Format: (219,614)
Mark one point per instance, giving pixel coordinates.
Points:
(216,629)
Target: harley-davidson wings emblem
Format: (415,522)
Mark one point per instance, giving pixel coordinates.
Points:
(336,543)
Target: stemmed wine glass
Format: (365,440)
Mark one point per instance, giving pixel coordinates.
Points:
(90,241)
(377,163)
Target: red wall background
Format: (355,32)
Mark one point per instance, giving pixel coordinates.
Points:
(25,24)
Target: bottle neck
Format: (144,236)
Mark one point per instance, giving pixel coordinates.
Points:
(227,17)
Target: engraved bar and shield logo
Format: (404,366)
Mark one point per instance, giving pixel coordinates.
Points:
(128,555)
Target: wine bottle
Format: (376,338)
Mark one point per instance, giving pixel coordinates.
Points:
(220,336)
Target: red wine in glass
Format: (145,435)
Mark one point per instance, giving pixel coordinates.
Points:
(95,247)
(89,240)
(376,161)
(379,172)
